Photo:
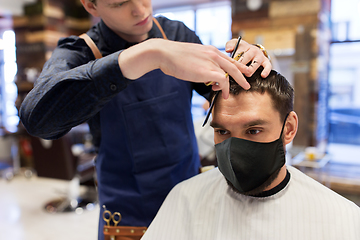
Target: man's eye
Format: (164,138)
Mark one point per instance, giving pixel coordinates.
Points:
(254,131)
(222,132)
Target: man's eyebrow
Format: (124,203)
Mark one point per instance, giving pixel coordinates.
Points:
(215,125)
(246,125)
(256,123)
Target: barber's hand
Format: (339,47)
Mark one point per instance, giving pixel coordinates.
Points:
(186,61)
(251,54)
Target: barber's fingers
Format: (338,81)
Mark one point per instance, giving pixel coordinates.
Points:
(229,67)
(223,86)
(250,62)
(235,72)
(230,45)
(255,64)
(250,54)
(247,57)
(267,68)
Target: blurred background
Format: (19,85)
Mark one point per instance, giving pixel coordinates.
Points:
(315,44)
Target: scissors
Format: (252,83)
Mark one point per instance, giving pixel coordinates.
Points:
(108,217)
(237,57)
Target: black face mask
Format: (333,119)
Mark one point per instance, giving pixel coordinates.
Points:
(247,164)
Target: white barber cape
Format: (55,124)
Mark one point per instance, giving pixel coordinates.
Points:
(204,207)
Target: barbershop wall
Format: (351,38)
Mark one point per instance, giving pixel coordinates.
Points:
(297,34)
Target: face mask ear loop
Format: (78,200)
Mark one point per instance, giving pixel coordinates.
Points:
(282,130)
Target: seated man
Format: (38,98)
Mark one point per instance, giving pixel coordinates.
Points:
(253,194)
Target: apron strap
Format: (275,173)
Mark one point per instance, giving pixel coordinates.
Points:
(160,28)
(95,49)
(91,45)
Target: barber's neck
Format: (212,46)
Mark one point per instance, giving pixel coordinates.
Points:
(133,38)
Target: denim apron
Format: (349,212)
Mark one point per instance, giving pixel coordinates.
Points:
(148,145)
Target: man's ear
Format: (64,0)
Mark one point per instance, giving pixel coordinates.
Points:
(90,7)
(290,128)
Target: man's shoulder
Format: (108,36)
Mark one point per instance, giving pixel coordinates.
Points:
(201,184)
(204,178)
(307,185)
(324,196)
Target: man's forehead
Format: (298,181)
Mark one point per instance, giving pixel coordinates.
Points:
(245,100)
(251,108)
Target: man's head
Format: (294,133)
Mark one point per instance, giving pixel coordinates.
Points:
(130,19)
(257,114)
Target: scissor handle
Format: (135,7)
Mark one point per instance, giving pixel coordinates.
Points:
(239,56)
(116,221)
(107,217)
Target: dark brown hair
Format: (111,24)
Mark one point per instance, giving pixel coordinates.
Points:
(276,85)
